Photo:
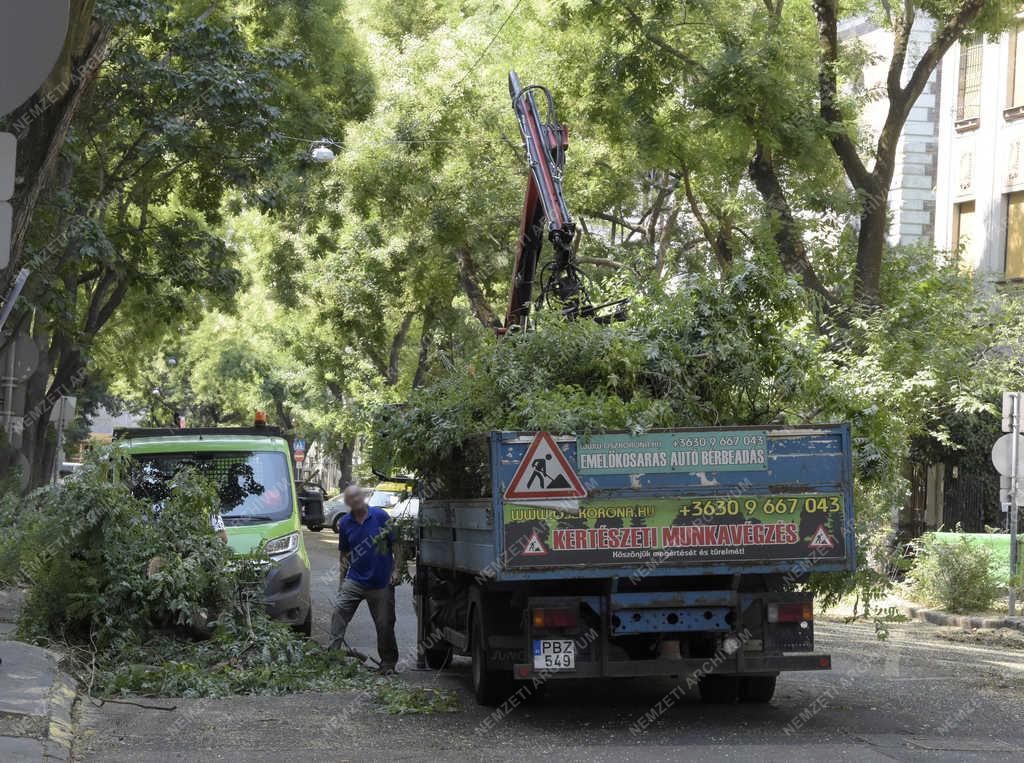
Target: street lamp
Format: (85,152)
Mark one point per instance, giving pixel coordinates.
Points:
(321,150)
(321,153)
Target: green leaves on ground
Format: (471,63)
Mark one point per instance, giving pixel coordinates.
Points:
(148,600)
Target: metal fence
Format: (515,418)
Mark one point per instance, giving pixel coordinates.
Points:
(970,500)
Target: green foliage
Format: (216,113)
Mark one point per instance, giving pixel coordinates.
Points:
(85,550)
(955,576)
(713,353)
(263,658)
(154,603)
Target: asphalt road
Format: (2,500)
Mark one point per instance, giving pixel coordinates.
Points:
(914,697)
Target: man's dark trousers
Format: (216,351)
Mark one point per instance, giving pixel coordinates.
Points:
(381,602)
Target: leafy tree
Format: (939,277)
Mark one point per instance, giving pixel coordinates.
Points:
(762,83)
(181,108)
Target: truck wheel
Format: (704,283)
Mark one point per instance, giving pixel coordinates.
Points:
(718,690)
(757,689)
(490,686)
(438,658)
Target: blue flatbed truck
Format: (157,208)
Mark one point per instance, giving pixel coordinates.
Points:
(669,553)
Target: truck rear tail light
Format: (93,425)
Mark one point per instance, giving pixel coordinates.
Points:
(555,617)
(790,612)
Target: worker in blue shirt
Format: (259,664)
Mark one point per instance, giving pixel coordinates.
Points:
(368,572)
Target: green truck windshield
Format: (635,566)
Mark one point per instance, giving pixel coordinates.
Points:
(254,486)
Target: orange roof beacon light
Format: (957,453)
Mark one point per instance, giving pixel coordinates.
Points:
(260,419)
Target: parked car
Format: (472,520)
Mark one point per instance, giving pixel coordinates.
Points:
(387,494)
(393,497)
(405,509)
(334,509)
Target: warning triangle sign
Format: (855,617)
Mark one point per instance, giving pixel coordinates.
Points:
(821,539)
(534,547)
(544,473)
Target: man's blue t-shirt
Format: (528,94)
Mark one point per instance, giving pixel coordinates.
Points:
(371,560)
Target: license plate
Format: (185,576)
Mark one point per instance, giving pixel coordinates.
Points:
(554,654)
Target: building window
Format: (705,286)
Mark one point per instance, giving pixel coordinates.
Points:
(965,234)
(1015,235)
(1015,75)
(968,94)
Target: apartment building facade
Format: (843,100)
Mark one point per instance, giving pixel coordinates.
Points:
(979,188)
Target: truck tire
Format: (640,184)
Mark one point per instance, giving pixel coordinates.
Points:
(759,689)
(718,690)
(491,687)
(438,658)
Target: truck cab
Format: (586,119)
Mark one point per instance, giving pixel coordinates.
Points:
(252,469)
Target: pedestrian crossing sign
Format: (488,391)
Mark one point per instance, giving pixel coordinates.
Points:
(544,473)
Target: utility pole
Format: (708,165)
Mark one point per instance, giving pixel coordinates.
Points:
(1014,477)
(1007,455)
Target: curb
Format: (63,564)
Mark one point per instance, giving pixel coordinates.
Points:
(37,706)
(60,734)
(967,622)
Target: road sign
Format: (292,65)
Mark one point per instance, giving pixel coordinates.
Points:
(32,34)
(1007,422)
(1001,454)
(63,413)
(1004,491)
(544,473)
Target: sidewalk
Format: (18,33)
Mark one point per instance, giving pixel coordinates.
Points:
(36,697)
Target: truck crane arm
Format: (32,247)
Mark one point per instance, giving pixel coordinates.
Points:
(562,282)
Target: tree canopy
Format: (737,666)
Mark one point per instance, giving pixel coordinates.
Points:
(190,260)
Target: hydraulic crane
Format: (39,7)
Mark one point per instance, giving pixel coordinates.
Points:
(562,284)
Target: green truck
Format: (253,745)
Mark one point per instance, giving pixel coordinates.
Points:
(253,470)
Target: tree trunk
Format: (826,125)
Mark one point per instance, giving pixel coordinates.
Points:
(470,281)
(36,420)
(347,454)
(282,415)
(424,357)
(870,244)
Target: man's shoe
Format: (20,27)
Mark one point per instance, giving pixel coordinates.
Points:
(387,670)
